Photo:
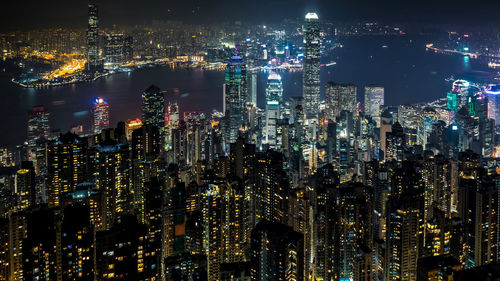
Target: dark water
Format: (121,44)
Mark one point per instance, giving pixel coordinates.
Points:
(408,73)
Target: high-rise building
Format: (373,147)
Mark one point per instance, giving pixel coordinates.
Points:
(339,97)
(25,186)
(130,126)
(66,163)
(274,98)
(235,98)
(374,100)
(38,125)
(253,88)
(100,115)
(277,252)
(93,58)
(114,50)
(493,95)
(153,108)
(38,134)
(311,66)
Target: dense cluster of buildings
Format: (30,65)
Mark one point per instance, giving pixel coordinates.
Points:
(301,189)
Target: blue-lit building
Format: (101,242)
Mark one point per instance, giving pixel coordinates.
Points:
(274,98)
(235,97)
(311,62)
(493,95)
(93,58)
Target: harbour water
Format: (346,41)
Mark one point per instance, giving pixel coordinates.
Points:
(401,64)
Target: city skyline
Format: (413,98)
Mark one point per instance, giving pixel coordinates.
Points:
(304,150)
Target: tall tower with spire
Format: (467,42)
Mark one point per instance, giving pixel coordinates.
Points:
(93,60)
(310,74)
(235,97)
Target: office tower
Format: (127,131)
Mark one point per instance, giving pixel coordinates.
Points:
(280,42)
(253,88)
(128,49)
(41,250)
(463,90)
(113,177)
(270,187)
(77,244)
(311,66)
(100,115)
(477,206)
(276,252)
(6,157)
(243,159)
(66,165)
(235,98)
(114,50)
(493,95)
(274,98)
(274,90)
(25,186)
(186,267)
(339,97)
(93,59)
(153,108)
(452,101)
(38,125)
(394,143)
(125,252)
(374,100)
(408,116)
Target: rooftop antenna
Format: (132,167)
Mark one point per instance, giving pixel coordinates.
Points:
(235,49)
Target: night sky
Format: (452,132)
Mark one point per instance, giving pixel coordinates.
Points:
(28,14)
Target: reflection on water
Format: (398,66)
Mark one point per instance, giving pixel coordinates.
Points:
(408,73)
(466,63)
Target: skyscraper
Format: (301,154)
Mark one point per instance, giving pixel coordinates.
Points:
(93,60)
(310,74)
(100,115)
(65,165)
(253,88)
(274,97)
(38,124)
(38,133)
(374,100)
(493,95)
(153,108)
(235,97)
(114,50)
(339,97)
